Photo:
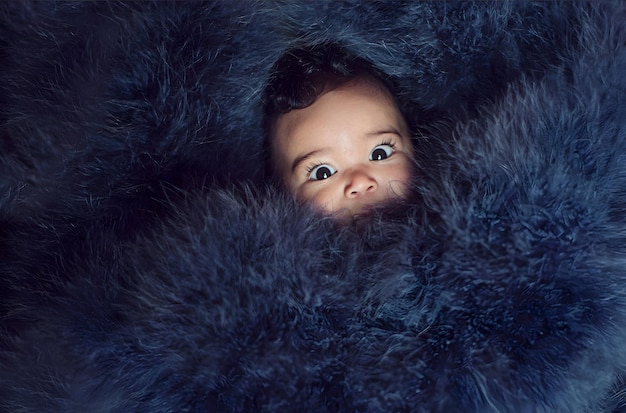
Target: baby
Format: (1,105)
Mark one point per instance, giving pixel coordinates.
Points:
(336,136)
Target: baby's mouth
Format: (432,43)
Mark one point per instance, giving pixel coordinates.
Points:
(347,215)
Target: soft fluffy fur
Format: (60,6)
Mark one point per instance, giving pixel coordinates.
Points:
(145,267)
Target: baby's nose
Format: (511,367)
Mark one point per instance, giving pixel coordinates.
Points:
(360,183)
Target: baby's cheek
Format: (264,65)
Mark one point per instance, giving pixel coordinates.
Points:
(400,179)
(323,202)
(320,199)
(398,188)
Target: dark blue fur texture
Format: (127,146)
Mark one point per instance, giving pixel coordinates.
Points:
(145,266)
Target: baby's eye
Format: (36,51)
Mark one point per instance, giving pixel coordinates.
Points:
(321,172)
(381,152)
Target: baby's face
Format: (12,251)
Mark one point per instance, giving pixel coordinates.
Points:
(346,152)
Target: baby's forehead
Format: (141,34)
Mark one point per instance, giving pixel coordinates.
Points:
(366,85)
(328,106)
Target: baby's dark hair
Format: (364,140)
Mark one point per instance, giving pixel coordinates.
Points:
(302,75)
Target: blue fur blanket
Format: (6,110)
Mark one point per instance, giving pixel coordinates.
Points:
(146,267)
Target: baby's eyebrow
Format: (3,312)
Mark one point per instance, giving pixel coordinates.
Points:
(385,131)
(303,158)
